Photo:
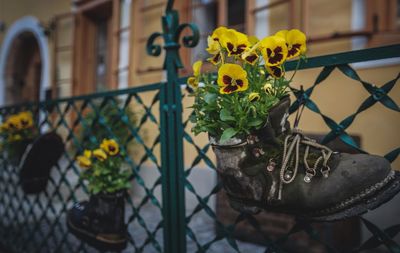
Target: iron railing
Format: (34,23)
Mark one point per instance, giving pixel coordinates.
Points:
(167,209)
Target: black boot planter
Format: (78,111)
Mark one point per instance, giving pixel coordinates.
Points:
(17,151)
(284,171)
(38,160)
(100,221)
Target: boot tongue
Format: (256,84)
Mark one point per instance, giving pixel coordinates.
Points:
(278,116)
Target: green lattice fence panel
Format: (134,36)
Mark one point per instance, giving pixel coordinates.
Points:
(37,223)
(207,232)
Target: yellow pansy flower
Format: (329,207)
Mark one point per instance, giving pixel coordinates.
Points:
(110,146)
(214,45)
(25,119)
(197,67)
(275,71)
(274,50)
(250,56)
(234,42)
(84,161)
(218,33)
(192,81)
(254,96)
(4,127)
(214,48)
(231,78)
(100,154)
(14,123)
(295,41)
(87,153)
(195,79)
(268,88)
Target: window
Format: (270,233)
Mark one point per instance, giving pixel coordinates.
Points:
(209,14)
(101,55)
(398,15)
(96,43)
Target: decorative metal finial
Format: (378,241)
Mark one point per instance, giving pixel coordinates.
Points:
(171,34)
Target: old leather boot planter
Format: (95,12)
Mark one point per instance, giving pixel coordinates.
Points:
(280,170)
(100,221)
(38,160)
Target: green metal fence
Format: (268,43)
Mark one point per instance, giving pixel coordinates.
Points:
(166,210)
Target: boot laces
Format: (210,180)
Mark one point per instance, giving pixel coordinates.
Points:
(291,159)
(292,147)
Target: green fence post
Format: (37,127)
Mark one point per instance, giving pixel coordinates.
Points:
(172,129)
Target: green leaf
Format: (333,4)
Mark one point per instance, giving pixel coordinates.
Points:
(210,98)
(193,118)
(255,122)
(228,133)
(225,115)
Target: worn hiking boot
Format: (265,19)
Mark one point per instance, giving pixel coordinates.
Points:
(100,221)
(38,160)
(281,170)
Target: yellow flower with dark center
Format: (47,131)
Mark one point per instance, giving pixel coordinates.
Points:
(234,42)
(254,96)
(192,81)
(214,45)
(275,71)
(295,42)
(274,50)
(83,161)
(100,154)
(218,33)
(110,146)
(268,88)
(250,56)
(14,123)
(25,119)
(195,79)
(216,59)
(214,48)
(231,78)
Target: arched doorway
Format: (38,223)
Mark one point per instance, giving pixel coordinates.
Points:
(23,69)
(24,63)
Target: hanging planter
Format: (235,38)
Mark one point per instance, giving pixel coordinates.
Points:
(264,165)
(100,221)
(38,160)
(17,132)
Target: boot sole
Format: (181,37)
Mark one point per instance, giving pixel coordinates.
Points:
(370,199)
(96,241)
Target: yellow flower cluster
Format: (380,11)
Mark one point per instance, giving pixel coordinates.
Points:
(230,50)
(16,122)
(108,147)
